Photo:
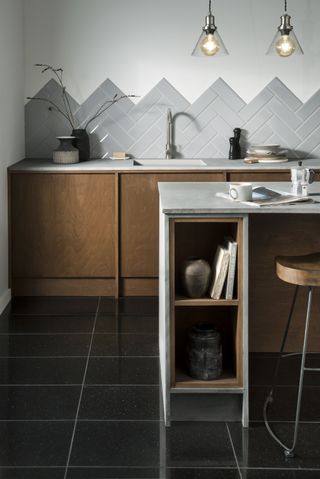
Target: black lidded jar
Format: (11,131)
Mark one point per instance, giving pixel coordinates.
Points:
(204,352)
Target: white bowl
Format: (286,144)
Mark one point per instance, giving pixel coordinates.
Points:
(265,147)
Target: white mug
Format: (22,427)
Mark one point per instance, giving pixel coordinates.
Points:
(240,191)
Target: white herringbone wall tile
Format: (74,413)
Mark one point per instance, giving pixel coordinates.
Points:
(202,129)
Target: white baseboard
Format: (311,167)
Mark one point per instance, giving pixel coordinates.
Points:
(5,299)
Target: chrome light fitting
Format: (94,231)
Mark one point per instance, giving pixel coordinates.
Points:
(210,43)
(285,42)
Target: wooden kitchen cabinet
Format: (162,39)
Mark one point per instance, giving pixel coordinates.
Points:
(252,176)
(139,213)
(62,233)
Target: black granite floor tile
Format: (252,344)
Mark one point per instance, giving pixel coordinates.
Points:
(123,371)
(42,371)
(202,473)
(38,324)
(147,473)
(198,444)
(125,345)
(44,345)
(32,473)
(255,448)
(38,402)
(49,305)
(283,407)
(279,474)
(139,306)
(32,444)
(114,473)
(116,444)
(120,402)
(108,305)
(127,324)
(262,368)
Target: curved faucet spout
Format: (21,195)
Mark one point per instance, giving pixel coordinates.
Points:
(169,145)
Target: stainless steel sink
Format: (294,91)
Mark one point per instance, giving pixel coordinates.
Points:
(170,162)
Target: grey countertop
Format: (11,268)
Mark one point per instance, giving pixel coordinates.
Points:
(217,164)
(200,199)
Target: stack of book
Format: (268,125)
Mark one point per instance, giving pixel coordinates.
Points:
(224,270)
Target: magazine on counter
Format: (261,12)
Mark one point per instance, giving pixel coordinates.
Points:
(262,196)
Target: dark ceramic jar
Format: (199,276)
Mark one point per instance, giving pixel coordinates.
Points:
(196,274)
(82,142)
(204,352)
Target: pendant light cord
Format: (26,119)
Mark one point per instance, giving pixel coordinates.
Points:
(285,5)
(210,7)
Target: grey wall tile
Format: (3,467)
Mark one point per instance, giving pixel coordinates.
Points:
(310,106)
(252,108)
(172,95)
(290,139)
(283,93)
(311,124)
(202,129)
(257,121)
(230,97)
(280,109)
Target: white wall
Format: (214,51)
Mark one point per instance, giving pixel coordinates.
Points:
(11,116)
(137,42)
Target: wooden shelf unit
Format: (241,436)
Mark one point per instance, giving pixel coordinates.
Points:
(200,237)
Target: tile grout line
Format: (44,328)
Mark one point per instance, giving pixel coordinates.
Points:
(233,450)
(82,388)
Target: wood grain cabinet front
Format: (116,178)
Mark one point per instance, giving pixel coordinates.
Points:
(139,214)
(63,233)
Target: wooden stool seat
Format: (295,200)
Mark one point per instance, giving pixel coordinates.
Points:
(299,270)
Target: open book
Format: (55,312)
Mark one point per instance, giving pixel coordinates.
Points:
(262,196)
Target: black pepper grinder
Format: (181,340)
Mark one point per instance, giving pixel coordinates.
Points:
(235,149)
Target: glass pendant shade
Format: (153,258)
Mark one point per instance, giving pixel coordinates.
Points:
(285,42)
(209,45)
(285,45)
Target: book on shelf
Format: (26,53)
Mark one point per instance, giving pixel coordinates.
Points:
(219,271)
(232,247)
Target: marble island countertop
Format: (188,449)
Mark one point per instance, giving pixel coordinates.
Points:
(106,165)
(201,199)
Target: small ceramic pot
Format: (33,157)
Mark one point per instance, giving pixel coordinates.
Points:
(66,153)
(196,274)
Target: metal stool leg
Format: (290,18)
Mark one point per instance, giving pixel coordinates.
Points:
(280,355)
(289,451)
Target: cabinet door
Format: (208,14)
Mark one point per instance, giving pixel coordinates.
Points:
(140,219)
(63,225)
(252,176)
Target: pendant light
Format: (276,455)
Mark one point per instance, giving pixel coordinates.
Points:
(210,43)
(285,42)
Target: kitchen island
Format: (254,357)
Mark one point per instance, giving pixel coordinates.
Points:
(193,221)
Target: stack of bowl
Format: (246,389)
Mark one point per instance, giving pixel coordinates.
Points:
(266,154)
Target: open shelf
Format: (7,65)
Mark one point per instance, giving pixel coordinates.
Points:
(227,380)
(182,352)
(200,239)
(207,301)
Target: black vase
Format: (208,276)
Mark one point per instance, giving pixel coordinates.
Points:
(82,142)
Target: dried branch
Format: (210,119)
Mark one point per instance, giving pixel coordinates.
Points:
(67,112)
(106,105)
(58,72)
(56,108)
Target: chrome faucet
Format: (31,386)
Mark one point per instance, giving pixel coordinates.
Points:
(169,145)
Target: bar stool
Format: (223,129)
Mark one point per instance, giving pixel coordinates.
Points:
(301,271)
